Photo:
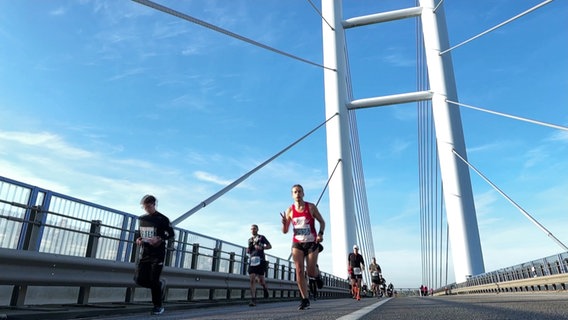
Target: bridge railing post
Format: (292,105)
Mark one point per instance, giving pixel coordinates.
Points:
(91,252)
(182,249)
(216,261)
(231,270)
(194,256)
(31,242)
(193,266)
(169,253)
(93,241)
(276,270)
(134,256)
(232,262)
(245,265)
(33,229)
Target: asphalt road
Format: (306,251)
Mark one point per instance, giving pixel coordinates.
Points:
(514,306)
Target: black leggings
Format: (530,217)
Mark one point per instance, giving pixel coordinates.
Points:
(147,275)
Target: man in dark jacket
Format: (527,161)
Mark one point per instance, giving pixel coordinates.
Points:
(154,229)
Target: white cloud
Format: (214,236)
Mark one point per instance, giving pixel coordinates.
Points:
(58,11)
(560,136)
(47,141)
(399,146)
(396,58)
(486,147)
(208,177)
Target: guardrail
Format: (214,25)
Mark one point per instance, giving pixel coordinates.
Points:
(22,269)
(546,274)
(546,283)
(59,249)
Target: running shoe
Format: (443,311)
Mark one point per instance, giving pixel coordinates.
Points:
(304,304)
(158,310)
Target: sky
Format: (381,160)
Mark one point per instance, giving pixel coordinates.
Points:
(106,101)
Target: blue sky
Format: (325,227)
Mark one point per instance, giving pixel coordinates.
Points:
(109,100)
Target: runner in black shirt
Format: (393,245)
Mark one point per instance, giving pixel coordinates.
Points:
(258,264)
(356,264)
(154,229)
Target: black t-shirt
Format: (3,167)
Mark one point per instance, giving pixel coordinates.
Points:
(257,240)
(356,260)
(151,225)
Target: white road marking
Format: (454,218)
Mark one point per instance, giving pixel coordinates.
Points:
(361,312)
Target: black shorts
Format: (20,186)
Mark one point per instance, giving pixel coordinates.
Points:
(260,269)
(306,247)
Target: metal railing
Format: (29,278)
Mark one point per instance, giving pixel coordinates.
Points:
(83,252)
(546,274)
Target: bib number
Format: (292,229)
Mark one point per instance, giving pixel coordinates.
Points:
(302,232)
(357,271)
(254,261)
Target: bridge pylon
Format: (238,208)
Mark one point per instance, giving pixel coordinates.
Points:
(462,220)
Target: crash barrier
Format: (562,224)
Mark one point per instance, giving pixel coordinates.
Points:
(44,271)
(546,274)
(59,249)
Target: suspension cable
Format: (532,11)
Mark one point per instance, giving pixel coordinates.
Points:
(498,26)
(320,14)
(364,234)
(224,31)
(244,177)
(327,183)
(523,211)
(420,122)
(439,4)
(510,116)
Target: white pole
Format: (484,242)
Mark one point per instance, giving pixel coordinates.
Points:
(342,207)
(460,208)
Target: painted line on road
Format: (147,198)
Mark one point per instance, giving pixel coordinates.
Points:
(361,312)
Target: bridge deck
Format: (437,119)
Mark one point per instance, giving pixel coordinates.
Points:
(542,306)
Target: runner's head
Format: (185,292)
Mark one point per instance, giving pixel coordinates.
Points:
(148,202)
(254,229)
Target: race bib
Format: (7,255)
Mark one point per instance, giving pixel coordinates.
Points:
(147,232)
(375,274)
(254,261)
(302,231)
(356,271)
